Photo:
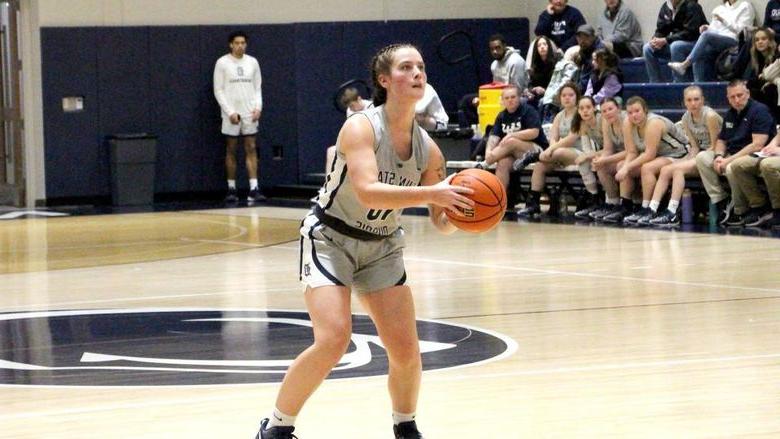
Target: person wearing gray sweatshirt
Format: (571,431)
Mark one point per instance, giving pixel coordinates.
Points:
(619,29)
(508,65)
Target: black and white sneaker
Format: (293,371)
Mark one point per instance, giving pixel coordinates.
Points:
(645,219)
(666,219)
(527,159)
(636,216)
(232,196)
(407,430)
(735,220)
(756,217)
(530,211)
(617,215)
(255,196)
(603,210)
(274,432)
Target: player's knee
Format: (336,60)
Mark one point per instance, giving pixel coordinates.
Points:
(334,340)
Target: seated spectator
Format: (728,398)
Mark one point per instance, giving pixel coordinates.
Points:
(652,142)
(429,112)
(701,125)
(585,128)
(516,131)
(728,21)
(605,163)
(353,103)
(559,22)
(589,43)
(565,71)
(744,174)
(606,80)
(763,52)
(508,67)
(619,30)
(772,18)
(747,128)
(676,32)
(541,64)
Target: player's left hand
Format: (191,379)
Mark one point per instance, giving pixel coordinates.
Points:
(255,115)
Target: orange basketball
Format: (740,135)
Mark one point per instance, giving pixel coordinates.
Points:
(489,201)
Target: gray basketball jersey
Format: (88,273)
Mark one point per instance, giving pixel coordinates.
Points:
(616,136)
(699,129)
(673,142)
(338,198)
(595,136)
(564,128)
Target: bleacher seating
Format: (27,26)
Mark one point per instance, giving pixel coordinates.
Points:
(663,98)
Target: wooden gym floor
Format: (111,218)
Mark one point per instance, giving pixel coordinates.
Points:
(595,332)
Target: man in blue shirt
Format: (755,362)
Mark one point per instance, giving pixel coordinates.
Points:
(516,132)
(559,22)
(747,127)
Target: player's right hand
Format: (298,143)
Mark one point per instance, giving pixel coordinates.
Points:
(235,118)
(452,198)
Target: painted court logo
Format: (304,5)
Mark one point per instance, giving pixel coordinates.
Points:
(159,347)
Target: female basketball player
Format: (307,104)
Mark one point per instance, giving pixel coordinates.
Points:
(352,239)
(583,138)
(702,126)
(652,142)
(605,164)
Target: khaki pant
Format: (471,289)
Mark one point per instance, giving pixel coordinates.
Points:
(743,178)
(710,178)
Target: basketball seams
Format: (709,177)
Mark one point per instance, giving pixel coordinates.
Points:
(496,197)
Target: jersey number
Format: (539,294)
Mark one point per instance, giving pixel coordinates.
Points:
(374,214)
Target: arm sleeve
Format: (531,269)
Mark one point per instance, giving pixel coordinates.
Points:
(690,30)
(519,75)
(743,20)
(257,80)
(611,87)
(764,124)
(219,89)
(625,23)
(544,24)
(531,119)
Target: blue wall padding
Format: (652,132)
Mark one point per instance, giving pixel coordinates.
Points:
(159,80)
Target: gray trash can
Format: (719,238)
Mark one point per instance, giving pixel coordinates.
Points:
(133,158)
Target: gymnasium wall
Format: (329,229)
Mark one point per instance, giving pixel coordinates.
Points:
(158,79)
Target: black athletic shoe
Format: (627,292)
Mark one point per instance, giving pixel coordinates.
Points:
(636,216)
(617,215)
(255,195)
(735,220)
(530,211)
(602,211)
(407,430)
(756,217)
(666,219)
(232,196)
(275,432)
(585,212)
(528,158)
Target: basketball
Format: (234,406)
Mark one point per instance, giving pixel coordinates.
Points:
(489,201)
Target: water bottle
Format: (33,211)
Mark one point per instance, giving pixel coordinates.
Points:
(686,205)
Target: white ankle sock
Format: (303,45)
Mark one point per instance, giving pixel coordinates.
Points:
(673,204)
(613,201)
(403,417)
(654,205)
(252,183)
(645,203)
(231,184)
(279,419)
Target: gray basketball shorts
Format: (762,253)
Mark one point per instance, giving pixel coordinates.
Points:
(328,257)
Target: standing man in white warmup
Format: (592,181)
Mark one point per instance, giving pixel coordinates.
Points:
(237,87)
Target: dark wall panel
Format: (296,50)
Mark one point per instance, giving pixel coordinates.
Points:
(159,80)
(72,140)
(318,120)
(175,107)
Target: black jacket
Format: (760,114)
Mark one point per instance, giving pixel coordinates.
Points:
(680,25)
